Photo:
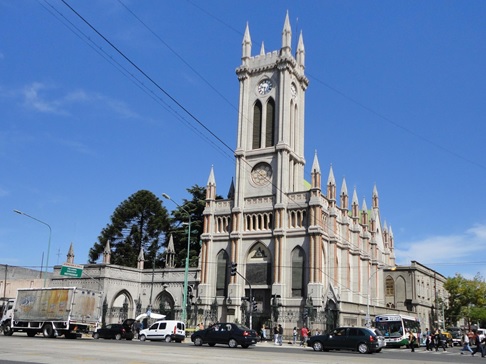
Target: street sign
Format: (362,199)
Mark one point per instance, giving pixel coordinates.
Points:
(72,270)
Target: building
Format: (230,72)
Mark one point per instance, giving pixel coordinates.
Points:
(306,254)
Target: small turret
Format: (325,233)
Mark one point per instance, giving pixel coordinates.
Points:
(246,45)
(140,260)
(107,253)
(344,195)
(211,186)
(316,173)
(70,254)
(331,186)
(286,37)
(300,55)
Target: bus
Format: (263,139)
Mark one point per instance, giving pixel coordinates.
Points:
(395,328)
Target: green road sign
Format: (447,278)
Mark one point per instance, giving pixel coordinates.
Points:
(72,270)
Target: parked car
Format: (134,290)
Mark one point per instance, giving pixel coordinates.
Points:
(456,335)
(361,339)
(116,331)
(230,334)
(167,330)
(381,339)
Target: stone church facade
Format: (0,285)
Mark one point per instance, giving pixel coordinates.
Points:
(307,253)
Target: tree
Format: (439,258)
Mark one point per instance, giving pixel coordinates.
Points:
(195,207)
(467,299)
(140,222)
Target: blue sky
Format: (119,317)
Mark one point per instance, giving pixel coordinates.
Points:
(396,97)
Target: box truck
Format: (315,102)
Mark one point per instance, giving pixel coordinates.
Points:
(53,311)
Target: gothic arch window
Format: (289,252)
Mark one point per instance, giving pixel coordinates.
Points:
(122,307)
(270,124)
(222,273)
(165,305)
(389,286)
(257,125)
(298,272)
(258,266)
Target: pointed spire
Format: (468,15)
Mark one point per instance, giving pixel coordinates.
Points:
(170,253)
(355,204)
(170,245)
(70,254)
(301,51)
(316,173)
(262,50)
(211,186)
(231,192)
(286,35)
(344,195)
(375,199)
(315,164)
(363,206)
(141,259)
(107,253)
(331,185)
(246,45)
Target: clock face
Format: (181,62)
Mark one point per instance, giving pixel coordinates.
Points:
(265,87)
(261,174)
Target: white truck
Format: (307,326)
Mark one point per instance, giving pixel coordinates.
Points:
(52,311)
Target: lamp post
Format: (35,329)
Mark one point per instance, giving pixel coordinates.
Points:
(368,318)
(186,271)
(48,244)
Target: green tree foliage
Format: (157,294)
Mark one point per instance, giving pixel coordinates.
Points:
(467,299)
(179,229)
(141,221)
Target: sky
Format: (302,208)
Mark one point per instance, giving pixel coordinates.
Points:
(101,99)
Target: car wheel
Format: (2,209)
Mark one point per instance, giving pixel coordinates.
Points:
(198,341)
(232,343)
(7,329)
(142,338)
(378,350)
(363,348)
(118,337)
(168,339)
(212,344)
(317,346)
(96,336)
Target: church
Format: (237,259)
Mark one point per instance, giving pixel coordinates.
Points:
(279,249)
(300,251)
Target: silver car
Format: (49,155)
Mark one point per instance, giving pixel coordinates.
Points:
(381,339)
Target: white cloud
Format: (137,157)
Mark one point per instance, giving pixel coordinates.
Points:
(3,192)
(448,254)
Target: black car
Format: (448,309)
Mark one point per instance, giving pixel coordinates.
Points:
(230,334)
(359,339)
(116,331)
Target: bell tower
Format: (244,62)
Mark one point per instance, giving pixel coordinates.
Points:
(270,141)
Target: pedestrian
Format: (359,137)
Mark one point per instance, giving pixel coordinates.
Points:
(440,341)
(304,333)
(264,333)
(280,334)
(466,346)
(294,336)
(477,343)
(427,339)
(411,341)
(275,335)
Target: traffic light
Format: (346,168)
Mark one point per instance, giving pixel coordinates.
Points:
(254,305)
(233,268)
(305,315)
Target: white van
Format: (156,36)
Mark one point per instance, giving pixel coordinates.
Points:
(168,330)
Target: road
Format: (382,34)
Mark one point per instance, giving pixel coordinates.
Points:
(22,349)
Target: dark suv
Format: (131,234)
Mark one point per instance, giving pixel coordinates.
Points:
(359,339)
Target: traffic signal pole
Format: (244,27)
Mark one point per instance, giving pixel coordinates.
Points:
(234,272)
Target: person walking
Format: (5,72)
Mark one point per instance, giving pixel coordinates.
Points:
(304,333)
(275,335)
(466,346)
(477,343)
(280,334)
(428,338)
(411,341)
(440,341)
(294,336)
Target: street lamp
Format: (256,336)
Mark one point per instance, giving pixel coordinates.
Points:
(368,318)
(48,244)
(186,272)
